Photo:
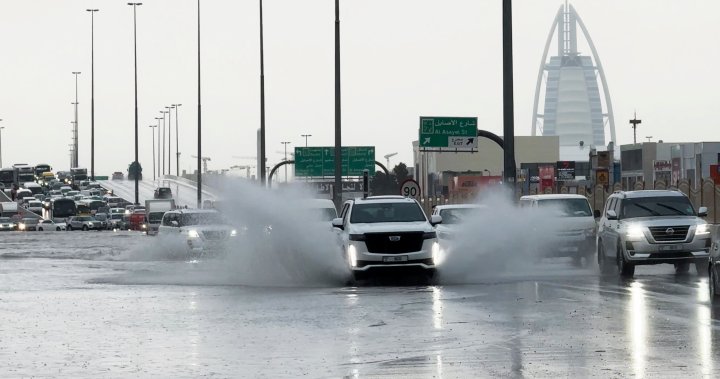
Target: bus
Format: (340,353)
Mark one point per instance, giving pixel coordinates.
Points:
(59,209)
(7,177)
(24,174)
(92,204)
(42,168)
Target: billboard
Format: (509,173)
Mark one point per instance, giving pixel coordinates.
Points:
(565,170)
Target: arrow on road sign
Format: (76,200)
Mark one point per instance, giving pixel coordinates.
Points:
(427,141)
(470,141)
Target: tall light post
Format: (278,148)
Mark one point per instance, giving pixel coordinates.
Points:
(306,138)
(199,114)
(262,101)
(137,164)
(75,123)
(163,141)
(169,142)
(92,92)
(153,145)
(1,128)
(158,145)
(337,190)
(508,96)
(177,141)
(285,143)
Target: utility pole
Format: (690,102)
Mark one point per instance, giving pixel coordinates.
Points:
(137,163)
(177,141)
(199,114)
(158,146)
(153,145)
(285,143)
(75,123)
(635,122)
(262,101)
(337,188)
(508,96)
(92,92)
(169,168)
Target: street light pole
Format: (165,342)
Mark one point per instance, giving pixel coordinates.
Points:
(158,146)
(92,92)
(508,108)
(199,113)
(177,141)
(153,145)
(337,190)
(169,110)
(306,138)
(163,141)
(75,132)
(137,164)
(1,128)
(262,101)
(285,143)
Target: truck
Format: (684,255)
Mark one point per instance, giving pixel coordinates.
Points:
(23,174)
(8,209)
(154,211)
(77,175)
(7,177)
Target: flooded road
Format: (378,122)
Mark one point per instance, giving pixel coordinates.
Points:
(97,304)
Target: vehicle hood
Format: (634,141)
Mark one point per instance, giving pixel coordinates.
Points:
(664,221)
(572,223)
(385,227)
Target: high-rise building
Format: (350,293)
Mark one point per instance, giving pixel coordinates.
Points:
(572,106)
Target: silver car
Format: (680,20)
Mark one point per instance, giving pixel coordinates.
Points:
(651,227)
(83,223)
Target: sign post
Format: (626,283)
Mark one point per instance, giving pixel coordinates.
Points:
(410,188)
(448,133)
(320,161)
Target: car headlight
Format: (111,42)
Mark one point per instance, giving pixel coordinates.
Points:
(702,229)
(233,233)
(352,255)
(21,226)
(635,232)
(193,233)
(437,254)
(145,226)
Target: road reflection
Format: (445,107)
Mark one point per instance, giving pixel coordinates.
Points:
(637,325)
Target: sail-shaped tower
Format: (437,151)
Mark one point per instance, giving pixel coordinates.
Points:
(572,106)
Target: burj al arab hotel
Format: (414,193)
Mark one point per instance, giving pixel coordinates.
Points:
(572,106)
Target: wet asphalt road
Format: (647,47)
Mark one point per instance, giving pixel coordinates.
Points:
(79,305)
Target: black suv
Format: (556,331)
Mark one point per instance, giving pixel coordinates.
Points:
(163,193)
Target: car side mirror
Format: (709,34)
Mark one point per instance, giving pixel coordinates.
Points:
(174,223)
(597,213)
(338,223)
(611,215)
(702,212)
(435,219)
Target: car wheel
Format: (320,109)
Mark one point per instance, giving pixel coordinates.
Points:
(605,266)
(682,268)
(701,268)
(626,269)
(58,229)
(85,228)
(69,227)
(712,282)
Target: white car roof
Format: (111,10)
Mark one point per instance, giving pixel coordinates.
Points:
(384,199)
(651,193)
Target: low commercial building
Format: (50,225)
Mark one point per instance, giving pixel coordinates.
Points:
(667,161)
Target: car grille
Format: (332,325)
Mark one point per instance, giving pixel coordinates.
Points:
(215,235)
(669,233)
(382,243)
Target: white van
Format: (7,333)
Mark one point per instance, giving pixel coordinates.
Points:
(573,228)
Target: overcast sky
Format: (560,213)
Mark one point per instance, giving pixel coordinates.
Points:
(400,59)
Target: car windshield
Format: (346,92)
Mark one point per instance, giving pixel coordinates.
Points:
(4,219)
(568,207)
(116,216)
(386,212)
(163,191)
(323,214)
(187,219)
(456,215)
(657,206)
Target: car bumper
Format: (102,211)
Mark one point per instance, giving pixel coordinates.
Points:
(571,246)
(642,252)
(203,246)
(364,261)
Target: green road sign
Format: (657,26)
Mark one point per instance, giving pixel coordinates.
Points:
(320,161)
(448,132)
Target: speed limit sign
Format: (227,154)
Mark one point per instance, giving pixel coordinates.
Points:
(410,188)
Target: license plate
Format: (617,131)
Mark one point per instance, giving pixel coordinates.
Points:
(670,247)
(396,258)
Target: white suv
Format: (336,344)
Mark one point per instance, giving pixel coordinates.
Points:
(198,231)
(385,232)
(650,227)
